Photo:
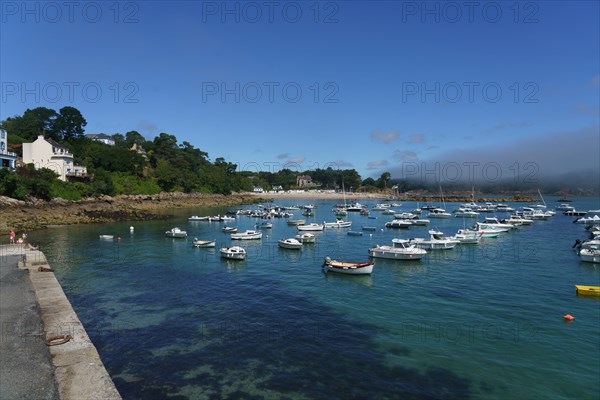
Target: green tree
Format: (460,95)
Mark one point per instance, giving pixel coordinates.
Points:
(383,180)
(33,122)
(69,124)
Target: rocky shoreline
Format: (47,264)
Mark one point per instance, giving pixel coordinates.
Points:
(38,214)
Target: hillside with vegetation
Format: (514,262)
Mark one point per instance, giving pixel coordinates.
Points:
(134,165)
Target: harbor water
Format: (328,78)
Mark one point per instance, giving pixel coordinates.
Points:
(476,322)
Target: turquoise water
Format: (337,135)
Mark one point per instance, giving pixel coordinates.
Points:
(480,322)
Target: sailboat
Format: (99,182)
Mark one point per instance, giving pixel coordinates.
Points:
(440,212)
(540,206)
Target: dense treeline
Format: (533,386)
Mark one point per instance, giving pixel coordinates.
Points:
(135,165)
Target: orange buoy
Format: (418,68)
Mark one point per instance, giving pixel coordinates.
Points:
(568,317)
(119,238)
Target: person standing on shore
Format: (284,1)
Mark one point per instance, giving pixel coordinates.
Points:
(12,236)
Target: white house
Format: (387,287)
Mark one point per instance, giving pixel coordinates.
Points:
(46,153)
(102,137)
(7,159)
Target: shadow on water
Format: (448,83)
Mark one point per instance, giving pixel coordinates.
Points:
(252,340)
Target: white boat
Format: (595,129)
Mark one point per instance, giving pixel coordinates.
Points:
(590,255)
(517,220)
(398,224)
(225,218)
(488,232)
(504,208)
(493,222)
(466,212)
(438,213)
(337,224)
(565,207)
(419,221)
(204,243)
(535,214)
(436,241)
(197,218)
(355,207)
(290,243)
(405,216)
(107,237)
(296,222)
(233,253)
(176,233)
(246,235)
(310,227)
(401,249)
(389,211)
(229,229)
(346,267)
(380,207)
(305,237)
(595,220)
(264,225)
(467,236)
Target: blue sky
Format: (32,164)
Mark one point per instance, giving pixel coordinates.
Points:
(375,86)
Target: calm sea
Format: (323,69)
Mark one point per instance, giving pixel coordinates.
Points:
(476,322)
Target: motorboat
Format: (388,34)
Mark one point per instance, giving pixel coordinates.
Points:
(264,225)
(398,224)
(233,253)
(493,222)
(247,235)
(389,211)
(337,224)
(517,220)
(400,249)
(587,290)
(500,207)
(419,221)
(590,255)
(595,220)
(347,267)
(107,237)
(291,243)
(176,233)
(380,207)
(355,233)
(229,229)
(355,207)
(310,227)
(565,207)
(467,236)
(466,212)
(197,218)
(204,243)
(489,231)
(296,222)
(305,237)
(404,215)
(438,213)
(436,241)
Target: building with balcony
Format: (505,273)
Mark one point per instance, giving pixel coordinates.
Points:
(7,158)
(46,153)
(102,137)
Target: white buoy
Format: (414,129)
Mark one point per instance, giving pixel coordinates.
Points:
(131,229)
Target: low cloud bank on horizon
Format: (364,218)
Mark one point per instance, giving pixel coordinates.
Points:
(572,157)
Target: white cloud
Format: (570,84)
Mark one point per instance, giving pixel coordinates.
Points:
(383,137)
(416,138)
(377,164)
(405,156)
